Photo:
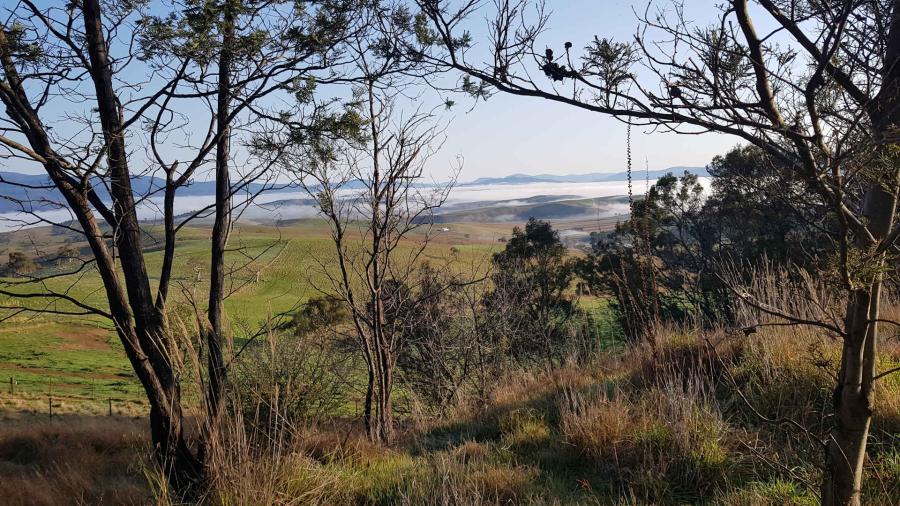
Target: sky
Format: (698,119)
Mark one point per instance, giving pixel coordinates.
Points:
(510,134)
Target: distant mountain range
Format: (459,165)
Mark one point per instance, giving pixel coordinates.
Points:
(15,186)
(594,177)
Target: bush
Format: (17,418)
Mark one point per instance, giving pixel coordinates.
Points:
(297,378)
(20,264)
(319,313)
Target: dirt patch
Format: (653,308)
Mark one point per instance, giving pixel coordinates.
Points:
(84,337)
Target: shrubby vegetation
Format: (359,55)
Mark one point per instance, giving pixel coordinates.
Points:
(665,263)
(20,264)
(663,425)
(531,294)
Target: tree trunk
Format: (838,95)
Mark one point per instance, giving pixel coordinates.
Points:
(378,409)
(846,448)
(180,465)
(371,422)
(853,395)
(385,407)
(215,335)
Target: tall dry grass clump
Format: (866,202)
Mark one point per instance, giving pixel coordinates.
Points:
(668,441)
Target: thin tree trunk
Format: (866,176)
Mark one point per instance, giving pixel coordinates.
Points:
(846,448)
(385,413)
(215,308)
(371,423)
(180,464)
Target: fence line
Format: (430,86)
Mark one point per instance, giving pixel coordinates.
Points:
(54,402)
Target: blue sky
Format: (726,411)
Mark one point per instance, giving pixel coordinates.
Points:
(509,134)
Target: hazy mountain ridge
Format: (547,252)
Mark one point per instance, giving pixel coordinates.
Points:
(38,190)
(593,177)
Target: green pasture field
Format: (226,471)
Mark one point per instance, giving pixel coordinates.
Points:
(274,270)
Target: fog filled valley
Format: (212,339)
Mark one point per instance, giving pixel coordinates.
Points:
(431,252)
(493,202)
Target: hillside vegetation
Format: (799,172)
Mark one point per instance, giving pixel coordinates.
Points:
(706,418)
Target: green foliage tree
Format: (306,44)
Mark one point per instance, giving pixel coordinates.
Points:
(318,313)
(664,261)
(436,355)
(531,280)
(757,208)
(657,263)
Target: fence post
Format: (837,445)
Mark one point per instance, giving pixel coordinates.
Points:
(12,386)
(50,399)
(110,406)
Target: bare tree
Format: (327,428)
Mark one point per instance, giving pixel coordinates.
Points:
(374,197)
(818,92)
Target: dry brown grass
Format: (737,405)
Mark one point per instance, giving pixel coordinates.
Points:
(73,460)
(470,451)
(502,485)
(35,406)
(657,443)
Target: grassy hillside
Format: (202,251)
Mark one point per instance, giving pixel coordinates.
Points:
(79,361)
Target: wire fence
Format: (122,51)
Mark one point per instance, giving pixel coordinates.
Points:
(52,397)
